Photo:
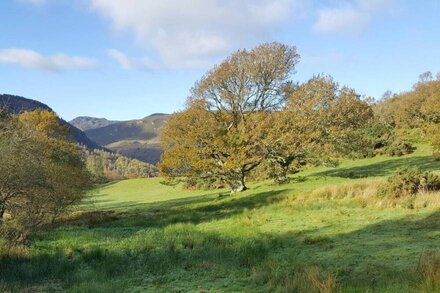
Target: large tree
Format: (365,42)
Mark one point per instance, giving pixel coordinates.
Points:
(313,123)
(215,135)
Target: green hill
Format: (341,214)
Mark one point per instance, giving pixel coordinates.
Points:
(326,227)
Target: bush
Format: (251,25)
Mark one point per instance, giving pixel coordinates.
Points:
(194,183)
(408,182)
(399,148)
(42,174)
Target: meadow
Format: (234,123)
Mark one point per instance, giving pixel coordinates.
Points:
(325,231)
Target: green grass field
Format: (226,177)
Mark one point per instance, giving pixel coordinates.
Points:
(139,235)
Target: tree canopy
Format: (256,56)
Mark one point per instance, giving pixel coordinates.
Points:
(41,173)
(247,110)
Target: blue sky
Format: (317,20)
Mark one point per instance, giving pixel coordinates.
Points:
(126,59)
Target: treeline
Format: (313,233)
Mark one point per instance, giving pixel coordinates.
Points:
(415,112)
(246,116)
(106,166)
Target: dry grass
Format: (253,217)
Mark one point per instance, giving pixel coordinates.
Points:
(362,191)
(323,283)
(427,199)
(13,252)
(308,279)
(366,193)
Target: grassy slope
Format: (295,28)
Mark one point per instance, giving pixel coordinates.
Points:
(168,239)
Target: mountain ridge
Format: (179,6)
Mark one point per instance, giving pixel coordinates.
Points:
(137,138)
(87,122)
(17,104)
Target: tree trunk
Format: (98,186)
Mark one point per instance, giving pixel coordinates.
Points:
(2,211)
(238,184)
(281,177)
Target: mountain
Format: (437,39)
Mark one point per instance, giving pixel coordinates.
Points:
(138,139)
(17,104)
(85,123)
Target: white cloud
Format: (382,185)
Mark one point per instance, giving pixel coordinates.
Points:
(193,33)
(34,60)
(351,18)
(346,20)
(131,63)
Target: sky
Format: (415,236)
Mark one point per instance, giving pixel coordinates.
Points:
(127,59)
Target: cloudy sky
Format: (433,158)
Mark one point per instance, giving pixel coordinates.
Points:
(126,59)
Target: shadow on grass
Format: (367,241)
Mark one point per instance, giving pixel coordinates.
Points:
(378,256)
(384,168)
(192,210)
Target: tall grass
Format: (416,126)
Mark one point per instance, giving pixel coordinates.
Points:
(367,193)
(326,233)
(307,279)
(429,271)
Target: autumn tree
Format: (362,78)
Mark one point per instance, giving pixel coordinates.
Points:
(215,135)
(42,173)
(313,124)
(425,77)
(415,109)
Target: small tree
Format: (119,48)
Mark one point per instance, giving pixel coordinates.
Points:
(42,173)
(425,77)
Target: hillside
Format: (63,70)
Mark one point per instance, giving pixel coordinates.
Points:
(85,123)
(17,104)
(137,139)
(140,235)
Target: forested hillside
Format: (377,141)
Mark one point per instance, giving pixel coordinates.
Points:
(101,162)
(16,105)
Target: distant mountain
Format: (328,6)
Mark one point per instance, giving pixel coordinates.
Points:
(17,105)
(138,139)
(85,123)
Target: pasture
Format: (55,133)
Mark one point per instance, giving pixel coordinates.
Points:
(314,234)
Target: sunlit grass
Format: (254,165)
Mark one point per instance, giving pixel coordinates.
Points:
(319,233)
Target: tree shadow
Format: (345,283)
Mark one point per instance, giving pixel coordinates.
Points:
(137,216)
(193,210)
(369,259)
(384,168)
(384,253)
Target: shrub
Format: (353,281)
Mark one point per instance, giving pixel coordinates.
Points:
(194,183)
(399,148)
(408,182)
(42,174)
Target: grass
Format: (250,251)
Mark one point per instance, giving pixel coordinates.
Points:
(316,234)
